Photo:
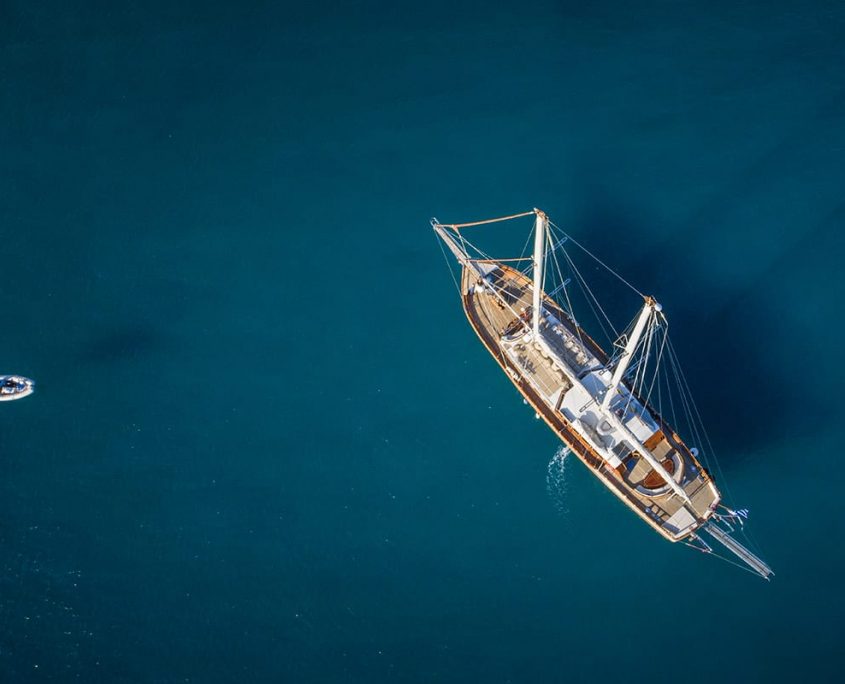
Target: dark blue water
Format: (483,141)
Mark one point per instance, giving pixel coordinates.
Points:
(266,446)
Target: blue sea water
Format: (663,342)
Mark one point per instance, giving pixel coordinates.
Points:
(266,445)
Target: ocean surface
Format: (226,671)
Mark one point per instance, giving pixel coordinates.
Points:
(266,446)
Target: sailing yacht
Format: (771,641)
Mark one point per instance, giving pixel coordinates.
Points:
(605,406)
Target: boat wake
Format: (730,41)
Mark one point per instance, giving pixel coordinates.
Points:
(556,480)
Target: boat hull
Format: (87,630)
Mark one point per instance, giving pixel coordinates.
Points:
(14,387)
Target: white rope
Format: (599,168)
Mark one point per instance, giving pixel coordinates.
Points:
(695,421)
(600,308)
(568,300)
(645,346)
(599,261)
(588,295)
(746,532)
(671,402)
(659,394)
(524,270)
(695,426)
(699,430)
(657,363)
(685,403)
(638,367)
(448,264)
(710,552)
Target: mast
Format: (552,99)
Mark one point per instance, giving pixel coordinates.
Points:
(539,253)
(649,307)
(628,353)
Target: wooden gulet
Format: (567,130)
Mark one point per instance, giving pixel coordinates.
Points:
(589,398)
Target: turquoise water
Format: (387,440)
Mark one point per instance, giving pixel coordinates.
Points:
(266,446)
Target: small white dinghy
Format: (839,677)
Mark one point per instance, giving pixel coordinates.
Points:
(15,387)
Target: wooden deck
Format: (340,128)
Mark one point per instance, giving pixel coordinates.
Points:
(542,382)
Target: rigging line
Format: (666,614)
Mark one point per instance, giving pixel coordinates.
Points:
(556,264)
(659,395)
(687,414)
(657,384)
(525,249)
(609,322)
(691,425)
(456,226)
(465,242)
(710,552)
(569,304)
(695,427)
(642,370)
(574,319)
(587,293)
(718,465)
(745,531)
(580,282)
(646,355)
(681,393)
(618,346)
(626,333)
(600,261)
(703,431)
(640,362)
(691,398)
(671,402)
(741,566)
(562,287)
(448,264)
(657,363)
(484,256)
(647,352)
(643,347)
(551,236)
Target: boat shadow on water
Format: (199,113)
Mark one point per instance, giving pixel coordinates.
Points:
(120,344)
(718,332)
(605,406)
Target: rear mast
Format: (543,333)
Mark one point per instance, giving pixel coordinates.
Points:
(649,308)
(622,365)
